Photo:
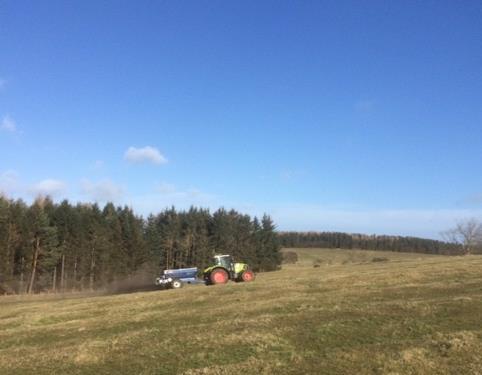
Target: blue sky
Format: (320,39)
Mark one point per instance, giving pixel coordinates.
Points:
(328,115)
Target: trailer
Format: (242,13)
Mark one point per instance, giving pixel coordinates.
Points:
(176,278)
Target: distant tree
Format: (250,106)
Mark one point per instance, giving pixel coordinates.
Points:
(6,255)
(467,232)
(133,240)
(153,240)
(43,237)
(331,240)
(271,256)
(170,237)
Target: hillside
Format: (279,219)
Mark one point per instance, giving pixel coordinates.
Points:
(406,314)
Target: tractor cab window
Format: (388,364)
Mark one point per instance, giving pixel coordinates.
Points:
(223,262)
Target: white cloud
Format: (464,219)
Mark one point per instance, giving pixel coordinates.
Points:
(7,124)
(170,191)
(98,165)
(195,193)
(9,182)
(165,188)
(102,191)
(167,195)
(49,187)
(144,154)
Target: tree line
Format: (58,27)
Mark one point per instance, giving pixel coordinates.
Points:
(334,240)
(48,246)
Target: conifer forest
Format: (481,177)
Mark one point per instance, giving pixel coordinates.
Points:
(48,246)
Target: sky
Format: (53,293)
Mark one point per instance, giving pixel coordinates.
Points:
(328,115)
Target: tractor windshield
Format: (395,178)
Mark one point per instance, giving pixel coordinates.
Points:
(223,262)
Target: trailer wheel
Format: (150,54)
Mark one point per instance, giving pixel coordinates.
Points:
(219,276)
(176,284)
(247,276)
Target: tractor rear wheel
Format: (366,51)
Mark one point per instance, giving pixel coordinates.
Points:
(219,276)
(247,276)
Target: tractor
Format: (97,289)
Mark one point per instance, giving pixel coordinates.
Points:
(225,269)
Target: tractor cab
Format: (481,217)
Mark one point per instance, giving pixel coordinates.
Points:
(225,261)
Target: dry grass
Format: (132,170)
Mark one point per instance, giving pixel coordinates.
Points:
(409,314)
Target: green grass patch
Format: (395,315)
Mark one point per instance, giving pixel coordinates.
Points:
(407,314)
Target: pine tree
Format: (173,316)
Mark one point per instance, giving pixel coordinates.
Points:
(6,252)
(271,249)
(152,235)
(43,238)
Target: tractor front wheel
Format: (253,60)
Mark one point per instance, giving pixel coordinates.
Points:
(247,276)
(219,276)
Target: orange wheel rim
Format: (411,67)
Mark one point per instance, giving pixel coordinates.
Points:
(219,277)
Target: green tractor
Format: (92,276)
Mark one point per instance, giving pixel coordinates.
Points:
(225,269)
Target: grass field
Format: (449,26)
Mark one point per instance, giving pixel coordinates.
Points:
(406,314)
